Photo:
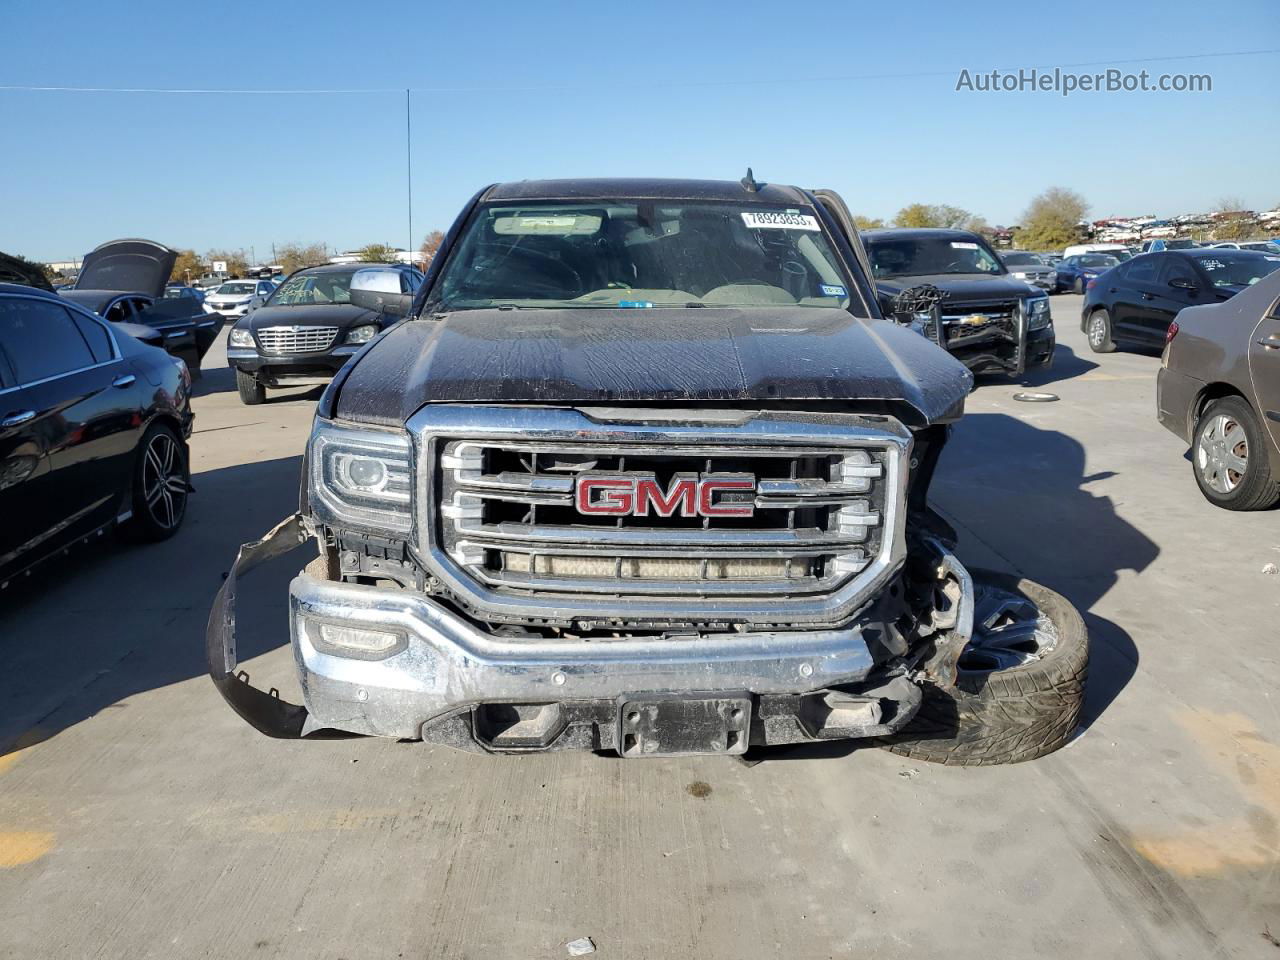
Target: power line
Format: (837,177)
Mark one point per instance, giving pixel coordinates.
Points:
(729,82)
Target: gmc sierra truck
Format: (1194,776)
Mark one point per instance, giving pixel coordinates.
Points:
(642,469)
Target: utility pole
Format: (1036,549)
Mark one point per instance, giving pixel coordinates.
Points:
(408,150)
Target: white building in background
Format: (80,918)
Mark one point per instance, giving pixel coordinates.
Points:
(64,266)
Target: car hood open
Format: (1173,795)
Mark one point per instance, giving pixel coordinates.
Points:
(128,266)
(665,356)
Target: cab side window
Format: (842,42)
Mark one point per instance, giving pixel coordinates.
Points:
(41,340)
(1175,268)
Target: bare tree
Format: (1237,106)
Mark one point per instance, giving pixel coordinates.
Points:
(295,256)
(430,246)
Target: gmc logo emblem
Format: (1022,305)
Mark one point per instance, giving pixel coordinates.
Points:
(690,495)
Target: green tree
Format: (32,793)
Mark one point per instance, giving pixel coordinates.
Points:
(430,247)
(186,268)
(915,215)
(377,253)
(936,215)
(1052,220)
(867,223)
(295,256)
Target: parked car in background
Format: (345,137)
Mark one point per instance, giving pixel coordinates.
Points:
(1117,250)
(124,281)
(235,298)
(1030,268)
(1075,272)
(990,320)
(176,291)
(1259,246)
(93,430)
(1160,244)
(1218,388)
(1050,259)
(308,328)
(1135,302)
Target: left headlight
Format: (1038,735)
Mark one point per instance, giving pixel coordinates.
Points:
(360,478)
(1038,313)
(239,337)
(362,334)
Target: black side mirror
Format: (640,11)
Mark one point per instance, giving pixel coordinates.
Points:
(379,289)
(1182,283)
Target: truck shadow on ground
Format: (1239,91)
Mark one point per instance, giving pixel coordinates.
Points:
(1022,503)
(109,621)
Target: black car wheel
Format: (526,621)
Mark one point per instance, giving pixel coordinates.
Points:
(1229,458)
(251,390)
(161,481)
(1099,331)
(1020,681)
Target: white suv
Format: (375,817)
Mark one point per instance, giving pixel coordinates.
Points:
(235,298)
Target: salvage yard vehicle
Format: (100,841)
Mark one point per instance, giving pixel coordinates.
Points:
(1074,273)
(236,298)
(309,328)
(93,431)
(1029,267)
(645,471)
(990,320)
(1218,388)
(1135,302)
(125,281)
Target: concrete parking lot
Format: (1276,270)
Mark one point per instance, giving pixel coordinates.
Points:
(140,818)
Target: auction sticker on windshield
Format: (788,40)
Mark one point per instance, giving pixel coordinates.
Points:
(779,220)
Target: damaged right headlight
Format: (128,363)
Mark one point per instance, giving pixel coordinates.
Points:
(360,477)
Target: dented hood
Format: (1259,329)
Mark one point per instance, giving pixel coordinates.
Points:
(128,266)
(705,355)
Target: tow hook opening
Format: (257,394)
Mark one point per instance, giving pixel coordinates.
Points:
(516,726)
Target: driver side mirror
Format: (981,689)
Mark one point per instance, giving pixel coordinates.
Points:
(378,289)
(1182,283)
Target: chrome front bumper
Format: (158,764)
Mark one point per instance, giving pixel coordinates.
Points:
(447,669)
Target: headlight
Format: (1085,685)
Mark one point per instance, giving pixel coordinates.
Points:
(360,477)
(240,338)
(1038,313)
(362,334)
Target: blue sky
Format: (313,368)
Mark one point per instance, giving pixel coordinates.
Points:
(524,90)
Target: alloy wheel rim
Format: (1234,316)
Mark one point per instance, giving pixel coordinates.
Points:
(164,481)
(1096,330)
(1222,454)
(1009,630)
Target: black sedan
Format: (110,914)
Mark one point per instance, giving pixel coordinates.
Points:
(93,431)
(1136,301)
(126,281)
(308,329)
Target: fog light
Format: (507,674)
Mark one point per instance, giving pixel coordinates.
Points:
(361,643)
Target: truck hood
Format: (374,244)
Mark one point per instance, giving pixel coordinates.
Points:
(705,355)
(340,315)
(128,266)
(960,288)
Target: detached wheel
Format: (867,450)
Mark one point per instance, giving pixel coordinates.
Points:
(251,390)
(161,481)
(1020,683)
(1100,332)
(1229,458)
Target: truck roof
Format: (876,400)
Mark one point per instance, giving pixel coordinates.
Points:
(642,188)
(915,233)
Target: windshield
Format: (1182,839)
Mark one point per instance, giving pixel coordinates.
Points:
(1264,246)
(173,293)
(236,289)
(312,288)
(1104,260)
(1237,271)
(1021,260)
(642,254)
(925,256)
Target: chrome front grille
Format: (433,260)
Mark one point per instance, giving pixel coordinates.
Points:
(296,339)
(505,523)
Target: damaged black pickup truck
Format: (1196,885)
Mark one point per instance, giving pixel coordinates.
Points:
(643,470)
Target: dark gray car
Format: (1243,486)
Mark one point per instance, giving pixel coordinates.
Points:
(1219,389)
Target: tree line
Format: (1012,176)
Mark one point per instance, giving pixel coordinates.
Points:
(291,256)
